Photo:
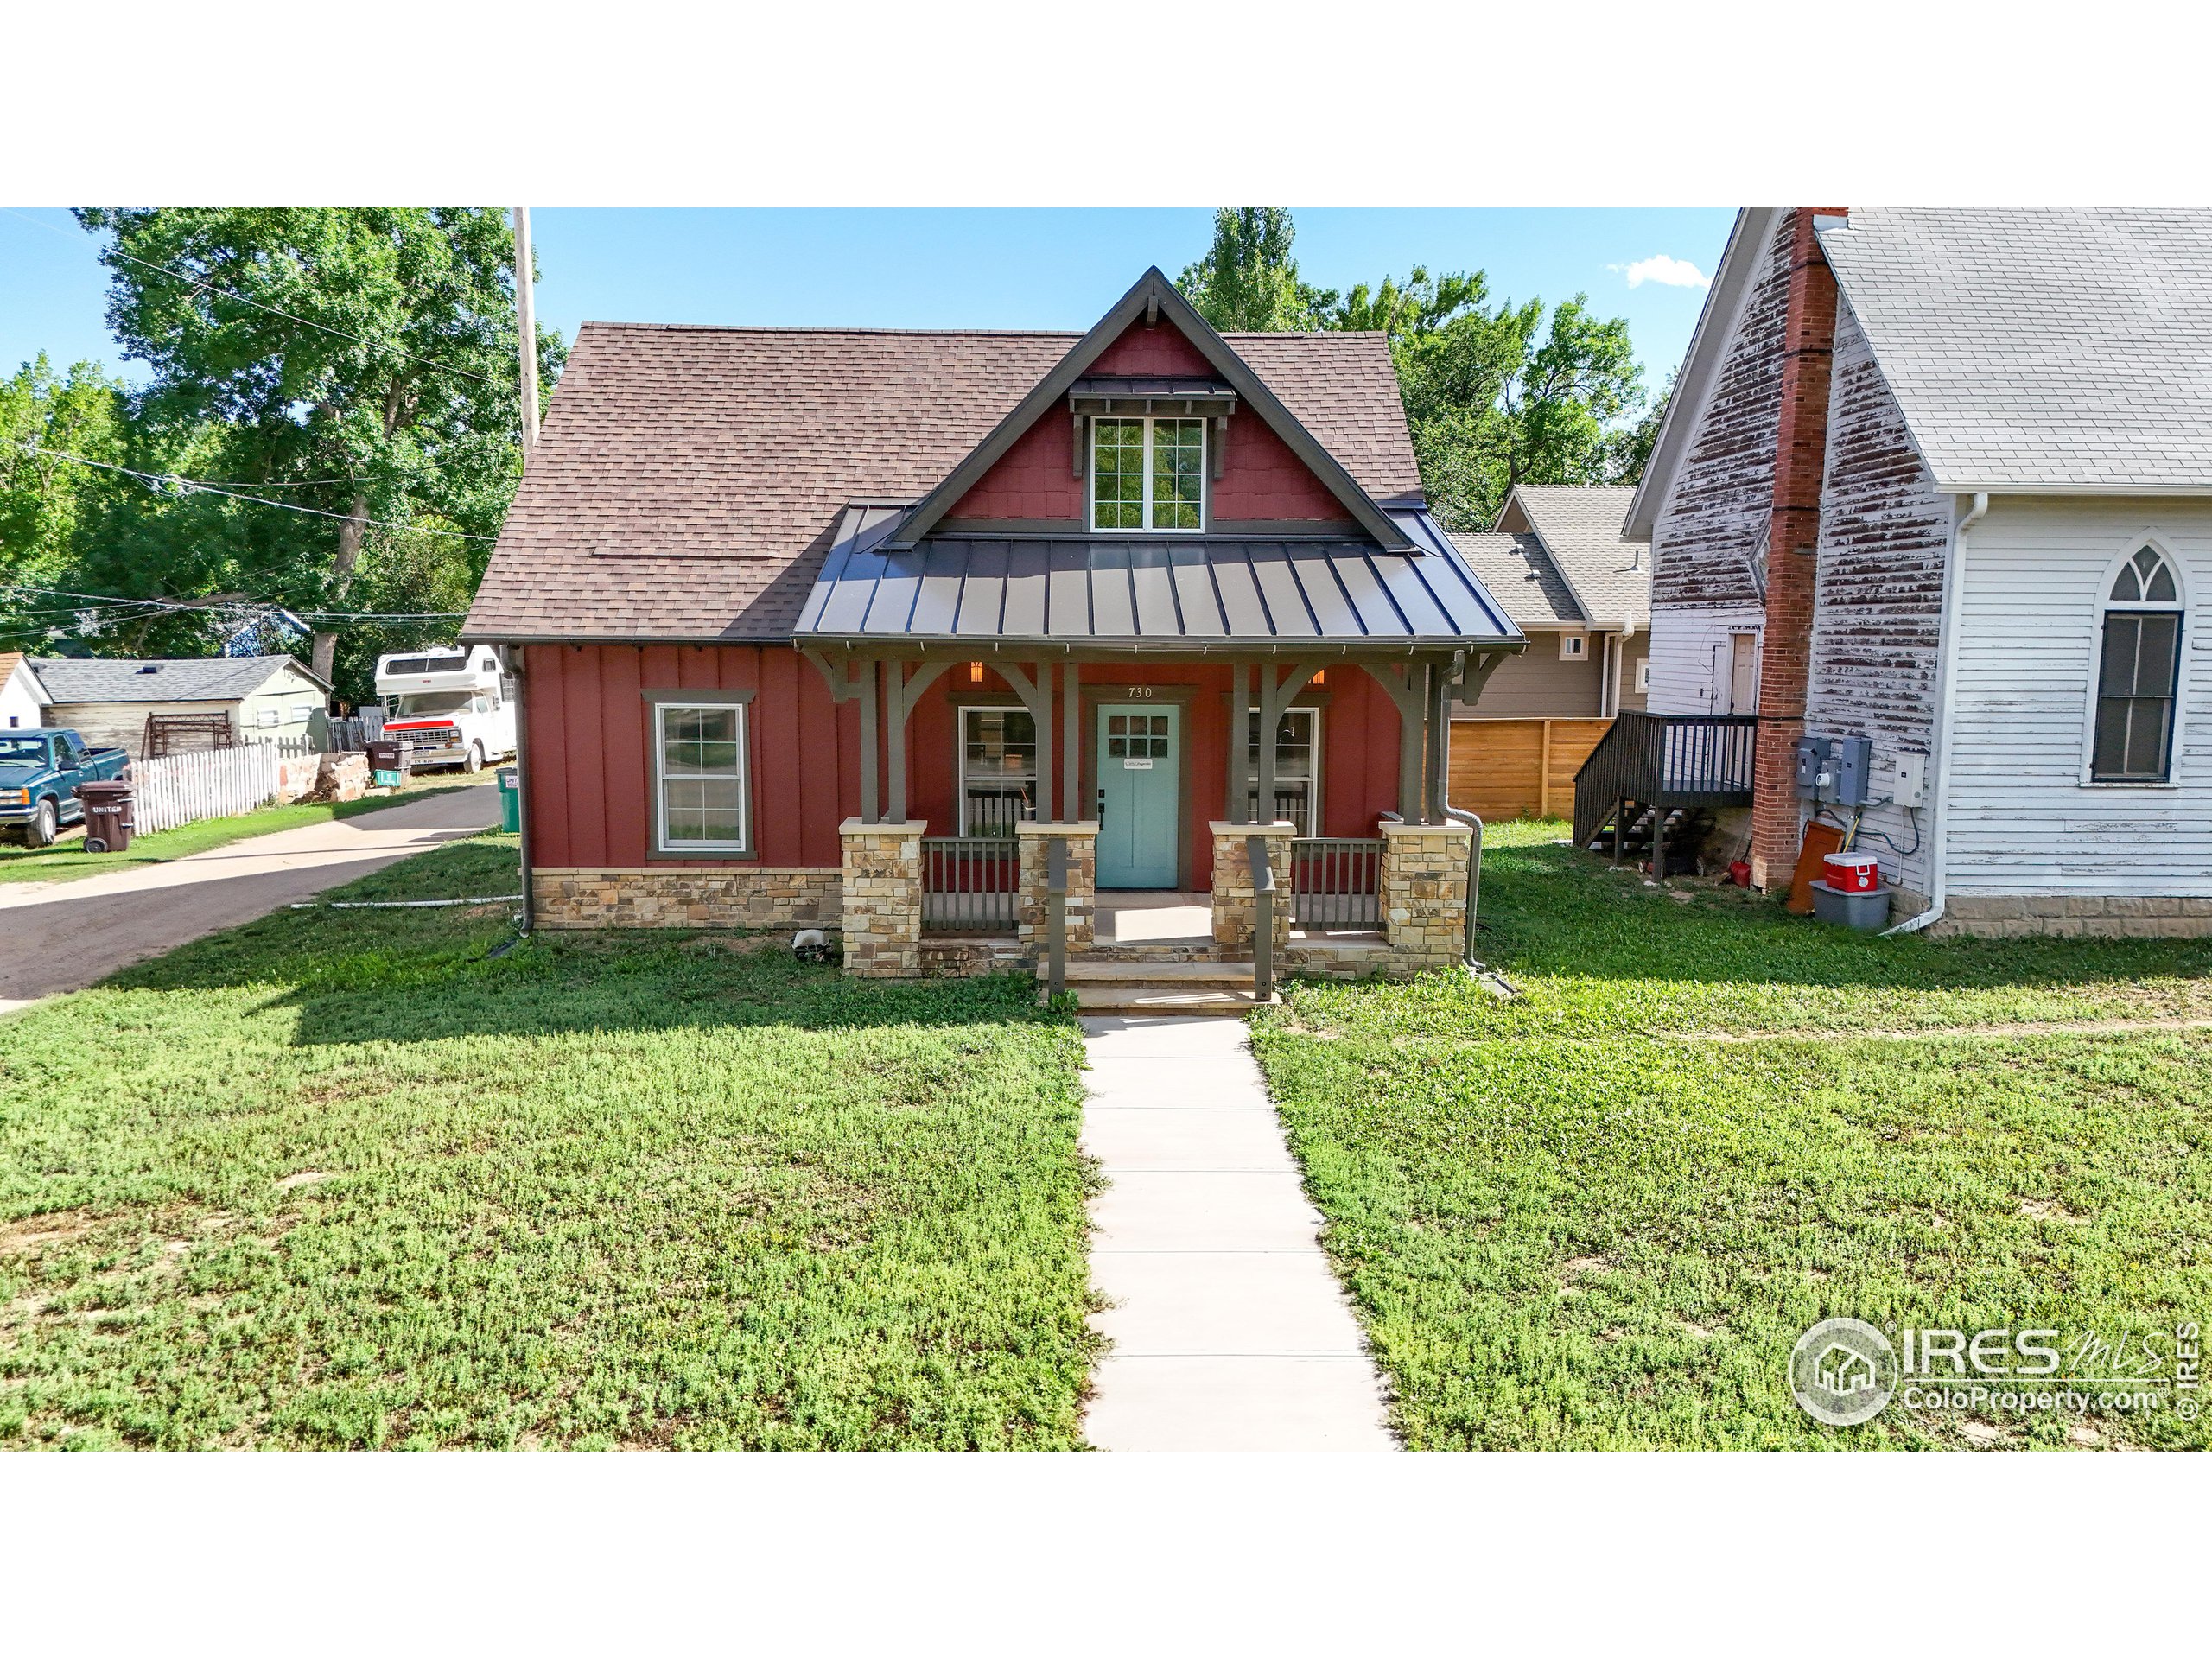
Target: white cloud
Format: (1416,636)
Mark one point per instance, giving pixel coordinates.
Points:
(1664,269)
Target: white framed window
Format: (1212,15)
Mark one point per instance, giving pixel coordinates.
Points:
(1573,647)
(1298,769)
(998,769)
(2137,685)
(268,714)
(1643,678)
(700,784)
(1147,473)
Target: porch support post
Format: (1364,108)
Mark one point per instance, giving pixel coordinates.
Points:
(1439,743)
(895,697)
(1072,743)
(1404,686)
(900,694)
(1240,722)
(1275,696)
(871,807)
(1044,715)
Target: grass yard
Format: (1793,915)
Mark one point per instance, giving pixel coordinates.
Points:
(67,860)
(363,1179)
(1601,1214)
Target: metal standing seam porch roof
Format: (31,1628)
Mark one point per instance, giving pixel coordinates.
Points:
(1140,593)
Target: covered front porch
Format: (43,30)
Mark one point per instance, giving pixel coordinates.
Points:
(985,775)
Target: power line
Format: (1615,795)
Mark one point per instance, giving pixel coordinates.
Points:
(233,601)
(167,479)
(305,322)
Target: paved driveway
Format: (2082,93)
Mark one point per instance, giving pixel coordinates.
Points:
(63,937)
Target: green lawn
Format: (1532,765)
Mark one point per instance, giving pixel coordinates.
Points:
(363,1179)
(1600,1215)
(65,860)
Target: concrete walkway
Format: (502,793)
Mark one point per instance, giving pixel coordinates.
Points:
(62,935)
(1230,1332)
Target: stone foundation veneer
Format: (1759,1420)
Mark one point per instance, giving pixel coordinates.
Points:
(1031,908)
(883,898)
(1424,892)
(1232,886)
(2133,916)
(664,897)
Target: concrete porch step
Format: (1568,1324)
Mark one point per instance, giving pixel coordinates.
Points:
(1186,999)
(1091,970)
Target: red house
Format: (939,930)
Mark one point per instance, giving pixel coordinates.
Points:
(842,627)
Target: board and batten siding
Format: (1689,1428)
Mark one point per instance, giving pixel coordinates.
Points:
(2021,819)
(1878,607)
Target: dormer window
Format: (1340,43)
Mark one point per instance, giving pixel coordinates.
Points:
(1147,473)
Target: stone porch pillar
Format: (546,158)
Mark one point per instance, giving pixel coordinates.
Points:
(883,898)
(1424,892)
(1232,886)
(1035,905)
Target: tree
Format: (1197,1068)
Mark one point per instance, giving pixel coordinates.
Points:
(1632,445)
(1425,304)
(1247,282)
(358,361)
(44,499)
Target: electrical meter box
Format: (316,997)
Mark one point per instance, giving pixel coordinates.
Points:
(1910,787)
(1812,761)
(1852,760)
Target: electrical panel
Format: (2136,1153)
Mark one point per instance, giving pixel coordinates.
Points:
(1909,783)
(1850,759)
(1812,764)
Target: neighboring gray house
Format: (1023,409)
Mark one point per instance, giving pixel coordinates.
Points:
(1555,560)
(108,698)
(1942,479)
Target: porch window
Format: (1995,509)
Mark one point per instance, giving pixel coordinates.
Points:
(699,776)
(1298,752)
(2138,675)
(998,769)
(1147,473)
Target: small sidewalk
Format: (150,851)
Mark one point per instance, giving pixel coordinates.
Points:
(64,935)
(1230,1332)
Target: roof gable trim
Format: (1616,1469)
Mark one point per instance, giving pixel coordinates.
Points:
(1153,295)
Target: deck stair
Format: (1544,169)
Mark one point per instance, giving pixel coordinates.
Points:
(1108,985)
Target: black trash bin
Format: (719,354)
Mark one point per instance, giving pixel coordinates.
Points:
(386,757)
(107,814)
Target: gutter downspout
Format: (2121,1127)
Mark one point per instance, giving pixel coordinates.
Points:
(513,660)
(1955,584)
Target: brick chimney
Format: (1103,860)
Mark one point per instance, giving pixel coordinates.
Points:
(1801,455)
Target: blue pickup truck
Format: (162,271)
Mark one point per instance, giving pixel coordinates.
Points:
(40,771)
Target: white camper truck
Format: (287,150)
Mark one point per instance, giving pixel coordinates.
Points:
(451,705)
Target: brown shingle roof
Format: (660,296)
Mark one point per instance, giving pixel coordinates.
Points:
(689,480)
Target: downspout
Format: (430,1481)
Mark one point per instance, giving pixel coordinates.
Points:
(514,655)
(1954,581)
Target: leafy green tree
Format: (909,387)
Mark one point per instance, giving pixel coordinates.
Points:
(1496,394)
(357,361)
(1247,282)
(43,500)
(1631,447)
(1498,398)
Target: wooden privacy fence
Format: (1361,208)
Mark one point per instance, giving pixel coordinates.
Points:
(1520,768)
(179,789)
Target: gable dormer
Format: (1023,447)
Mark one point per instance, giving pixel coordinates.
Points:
(1151,425)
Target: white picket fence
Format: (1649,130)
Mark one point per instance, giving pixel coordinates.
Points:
(179,789)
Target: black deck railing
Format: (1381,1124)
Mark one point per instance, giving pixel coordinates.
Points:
(970,884)
(1665,760)
(1334,881)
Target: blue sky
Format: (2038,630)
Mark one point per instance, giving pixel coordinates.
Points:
(988,268)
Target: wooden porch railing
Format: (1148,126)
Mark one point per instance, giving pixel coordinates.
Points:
(1335,882)
(1665,762)
(970,884)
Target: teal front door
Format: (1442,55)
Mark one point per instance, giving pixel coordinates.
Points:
(1140,766)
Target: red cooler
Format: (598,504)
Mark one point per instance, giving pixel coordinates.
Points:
(1851,872)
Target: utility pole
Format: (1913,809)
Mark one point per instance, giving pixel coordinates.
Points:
(527,322)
